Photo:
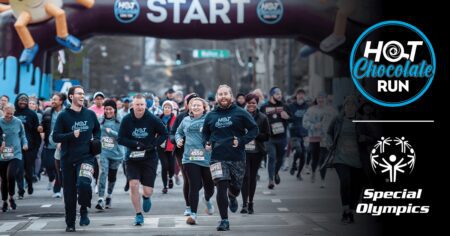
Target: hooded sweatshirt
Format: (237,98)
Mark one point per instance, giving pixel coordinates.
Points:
(110,145)
(145,133)
(190,130)
(30,122)
(14,138)
(76,149)
(220,128)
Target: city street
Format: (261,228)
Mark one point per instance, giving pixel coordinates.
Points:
(292,208)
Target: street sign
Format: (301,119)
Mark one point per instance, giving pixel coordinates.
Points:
(63,85)
(211,53)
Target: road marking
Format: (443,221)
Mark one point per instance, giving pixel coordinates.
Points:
(318,229)
(8,226)
(267,192)
(282,209)
(37,225)
(46,205)
(276,200)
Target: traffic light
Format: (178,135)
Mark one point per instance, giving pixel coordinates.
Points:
(178,59)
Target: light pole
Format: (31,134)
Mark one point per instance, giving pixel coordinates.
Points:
(86,63)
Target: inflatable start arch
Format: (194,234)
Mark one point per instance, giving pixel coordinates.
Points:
(305,20)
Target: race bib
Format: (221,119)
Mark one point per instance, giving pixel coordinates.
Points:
(216,170)
(87,170)
(8,152)
(277,128)
(197,155)
(250,146)
(137,154)
(107,142)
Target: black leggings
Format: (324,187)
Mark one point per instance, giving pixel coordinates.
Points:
(350,179)
(199,177)
(179,156)
(167,165)
(223,190)
(318,155)
(251,170)
(8,173)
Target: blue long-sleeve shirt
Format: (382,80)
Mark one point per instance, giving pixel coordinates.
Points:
(110,146)
(190,130)
(15,139)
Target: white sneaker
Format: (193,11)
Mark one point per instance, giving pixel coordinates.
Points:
(49,186)
(187,211)
(56,195)
(209,206)
(331,42)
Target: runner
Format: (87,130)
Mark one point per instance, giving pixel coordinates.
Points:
(74,129)
(48,153)
(13,141)
(278,114)
(228,128)
(255,150)
(141,132)
(196,158)
(298,132)
(30,122)
(111,156)
(165,151)
(179,151)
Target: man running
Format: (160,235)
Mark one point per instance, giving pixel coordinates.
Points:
(141,132)
(78,131)
(227,129)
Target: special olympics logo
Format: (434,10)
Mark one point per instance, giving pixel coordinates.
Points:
(393,156)
(392,63)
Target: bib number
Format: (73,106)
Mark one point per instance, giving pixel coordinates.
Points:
(8,152)
(250,146)
(137,154)
(108,143)
(87,170)
(277,128)
(197,155)
(216,170)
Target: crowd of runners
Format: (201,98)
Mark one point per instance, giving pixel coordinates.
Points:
(217,144)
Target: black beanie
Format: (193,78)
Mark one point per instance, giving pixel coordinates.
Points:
(110,103)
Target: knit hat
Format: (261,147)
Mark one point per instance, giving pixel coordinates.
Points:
(168,102)
(110,103)
(274,90)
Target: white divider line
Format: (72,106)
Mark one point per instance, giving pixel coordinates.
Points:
(7,226)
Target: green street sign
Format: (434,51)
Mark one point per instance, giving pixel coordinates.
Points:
(210,53)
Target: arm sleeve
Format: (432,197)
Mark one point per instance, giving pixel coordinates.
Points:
(252,129)
(58,135)
(206,132)
(180,132)
(161,131)
(96,132)
(174,128)
(264,133)
(23,137)
(123,136)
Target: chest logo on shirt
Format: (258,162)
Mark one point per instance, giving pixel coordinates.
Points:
(300,113)
(81,125)
(23,119)
(224,122)
(140,133)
